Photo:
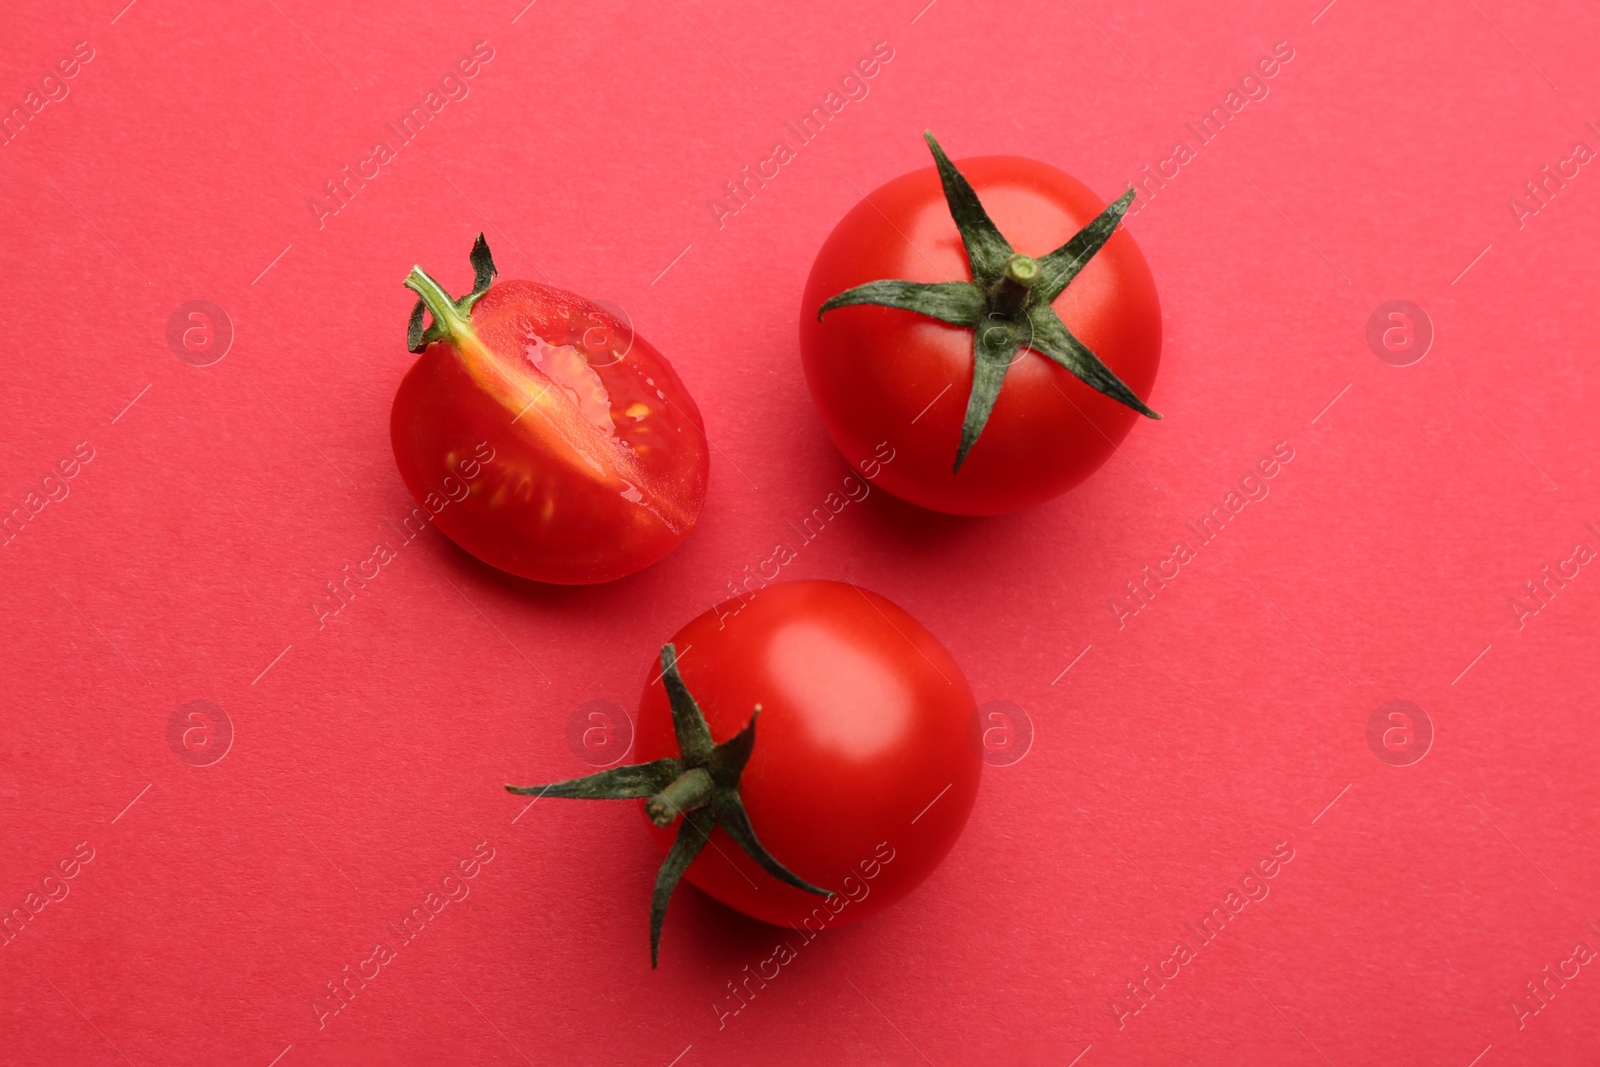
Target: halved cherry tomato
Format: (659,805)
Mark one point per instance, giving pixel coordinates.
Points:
(543,436)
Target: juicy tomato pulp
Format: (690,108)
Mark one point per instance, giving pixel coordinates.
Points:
(883,374)
(552,442)
(862,774)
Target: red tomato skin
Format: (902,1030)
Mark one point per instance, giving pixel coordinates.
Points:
(863,728)
(530,509)
(883,374)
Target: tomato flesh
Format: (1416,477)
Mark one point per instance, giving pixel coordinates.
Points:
(550,441)
(884,374)
(862,774)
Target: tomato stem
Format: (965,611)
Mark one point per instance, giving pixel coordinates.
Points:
(446,316)
(449,315)
(688,791)
(1015,286)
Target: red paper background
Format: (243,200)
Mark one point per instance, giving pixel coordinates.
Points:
(1178,750)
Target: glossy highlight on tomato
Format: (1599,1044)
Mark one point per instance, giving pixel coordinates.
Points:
(543,435)
(918,358)
(863,728)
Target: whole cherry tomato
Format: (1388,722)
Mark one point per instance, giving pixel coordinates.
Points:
(542,435)
(816,737)
(991,323)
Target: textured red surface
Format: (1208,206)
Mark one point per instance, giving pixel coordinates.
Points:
(1175,748)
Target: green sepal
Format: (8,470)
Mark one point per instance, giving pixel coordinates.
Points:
(728,759)
(987,250)
(1052,338)
(728,812)
(1061,266)
(994,346)
(483,269)
(958,303)
(694,735)
(417,338)
(719,805)
(693,836)
(617,783)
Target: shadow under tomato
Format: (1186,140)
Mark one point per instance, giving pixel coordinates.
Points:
(467,566)
(932,539)
(911,528)
(701,927)
(571,601)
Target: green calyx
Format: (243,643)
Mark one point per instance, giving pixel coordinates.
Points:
(702,786)
(1007,303)
(449,314)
